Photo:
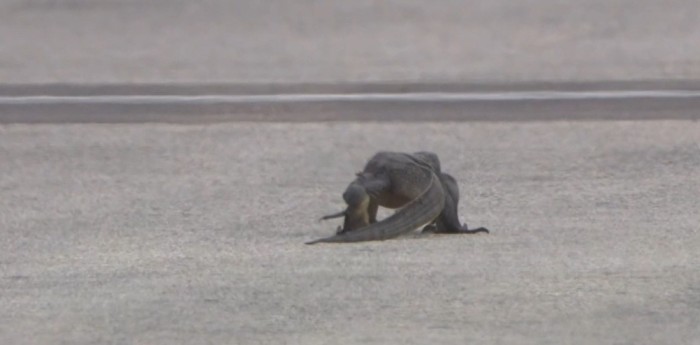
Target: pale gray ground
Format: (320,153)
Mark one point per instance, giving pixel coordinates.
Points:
(170,234)
(100,41)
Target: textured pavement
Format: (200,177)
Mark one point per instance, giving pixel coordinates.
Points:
(193,234)
(172,234)
(244,41)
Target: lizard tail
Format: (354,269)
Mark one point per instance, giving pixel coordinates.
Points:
(420,211)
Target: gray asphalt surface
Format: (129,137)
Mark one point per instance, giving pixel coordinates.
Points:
(129,41)
(163,233)
(192,234)
(206,103)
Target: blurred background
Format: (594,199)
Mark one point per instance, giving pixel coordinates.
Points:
(249,41)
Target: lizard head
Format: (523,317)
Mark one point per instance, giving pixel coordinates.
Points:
(356,215)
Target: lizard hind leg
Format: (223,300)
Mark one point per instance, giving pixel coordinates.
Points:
(464,230)
(443,227)
(448,221)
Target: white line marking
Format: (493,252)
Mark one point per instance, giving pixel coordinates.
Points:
(351,97)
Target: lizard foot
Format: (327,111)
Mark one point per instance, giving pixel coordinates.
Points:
(465,230)
(429,229)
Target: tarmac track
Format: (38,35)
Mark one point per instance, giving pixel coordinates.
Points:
(184,224)
(193,232)
(350,102)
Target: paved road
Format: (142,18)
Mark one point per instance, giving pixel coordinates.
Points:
(206,103)
(163,233)
(129,41)
(192,234)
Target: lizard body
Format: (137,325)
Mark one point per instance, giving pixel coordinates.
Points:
(412,182)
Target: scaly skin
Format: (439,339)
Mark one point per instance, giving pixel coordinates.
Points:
(394,180)
(448,222)
(391,180)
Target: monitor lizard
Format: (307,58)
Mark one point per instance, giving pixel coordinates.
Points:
(412,182)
